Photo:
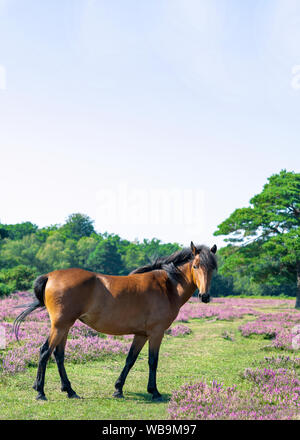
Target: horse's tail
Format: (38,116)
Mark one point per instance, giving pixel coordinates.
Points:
(39,290)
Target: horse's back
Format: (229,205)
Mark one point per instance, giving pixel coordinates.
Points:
(68,278)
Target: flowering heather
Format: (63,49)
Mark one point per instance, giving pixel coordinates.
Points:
(28,330)
(19,358)
(287,339)
(79,329)
(283,328)
(83,344)
(9,312)
(273,395)
(281,362)
(79,349)
(255,302)
(259,328)
(183,315)
(276,387)
(86,348)
(201,401)
(179,330)
(223,311)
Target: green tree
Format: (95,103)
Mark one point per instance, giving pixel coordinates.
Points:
(19,252)
(85,246)
(77,226)
(137,254)
(17,231)
(15,279)
(133,257)
(106,259)
(50,255)
(264,238)
(221,286)
(43,233)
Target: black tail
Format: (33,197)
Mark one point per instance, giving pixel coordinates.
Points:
(39,289)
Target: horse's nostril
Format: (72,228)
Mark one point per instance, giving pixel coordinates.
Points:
(205,298)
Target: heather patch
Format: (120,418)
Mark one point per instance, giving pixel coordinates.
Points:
(278,387)
(280,362)
(283,328)
(83,344)
(86,344)
(223,311)
(274,395)
(178,330)
(259,303)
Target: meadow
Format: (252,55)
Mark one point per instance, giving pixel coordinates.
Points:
(234,358)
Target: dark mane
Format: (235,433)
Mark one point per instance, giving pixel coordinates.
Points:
(172,263)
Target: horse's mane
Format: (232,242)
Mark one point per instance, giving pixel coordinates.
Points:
(172,263)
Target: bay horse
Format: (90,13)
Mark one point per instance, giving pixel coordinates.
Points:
(143,303)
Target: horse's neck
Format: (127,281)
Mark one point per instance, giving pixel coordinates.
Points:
(185,290)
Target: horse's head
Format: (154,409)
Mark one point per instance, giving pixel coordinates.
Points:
(202,268)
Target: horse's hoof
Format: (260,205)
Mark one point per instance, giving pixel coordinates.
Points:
(118,395)
(74,396)
(41,397)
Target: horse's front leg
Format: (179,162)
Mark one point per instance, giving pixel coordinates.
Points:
(154,345)
(136,346)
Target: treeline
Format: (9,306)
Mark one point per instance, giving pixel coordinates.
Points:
(27,251)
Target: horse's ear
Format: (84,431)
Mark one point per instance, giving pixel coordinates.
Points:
(214,249)
(193,247)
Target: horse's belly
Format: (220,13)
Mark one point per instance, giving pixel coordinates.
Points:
(112,327)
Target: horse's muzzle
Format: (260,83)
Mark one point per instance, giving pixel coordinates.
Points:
(205,298)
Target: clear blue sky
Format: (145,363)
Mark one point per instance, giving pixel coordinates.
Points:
(155,118)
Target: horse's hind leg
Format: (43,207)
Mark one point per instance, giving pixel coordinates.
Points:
(43,350)
(136,346)
(56,335)
(59,354)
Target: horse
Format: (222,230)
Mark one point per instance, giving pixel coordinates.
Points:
(143,303)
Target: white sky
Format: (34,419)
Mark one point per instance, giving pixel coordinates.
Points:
(156,119)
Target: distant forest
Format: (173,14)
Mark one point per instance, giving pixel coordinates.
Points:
(27,251)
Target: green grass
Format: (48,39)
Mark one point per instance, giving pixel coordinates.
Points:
(205,354)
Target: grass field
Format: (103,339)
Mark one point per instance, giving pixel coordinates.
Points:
(206,354)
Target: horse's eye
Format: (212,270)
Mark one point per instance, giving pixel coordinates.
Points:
(195,267)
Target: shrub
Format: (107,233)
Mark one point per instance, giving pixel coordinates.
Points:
(17,278)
